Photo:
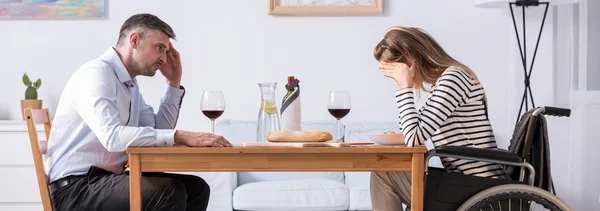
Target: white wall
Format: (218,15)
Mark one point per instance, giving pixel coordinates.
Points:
(232,47)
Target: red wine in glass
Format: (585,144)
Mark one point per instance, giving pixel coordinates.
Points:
(339,113)
(339,106)
(212,114)
(212,106)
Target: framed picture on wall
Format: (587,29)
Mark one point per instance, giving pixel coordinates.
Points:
(325,7)
(52,9)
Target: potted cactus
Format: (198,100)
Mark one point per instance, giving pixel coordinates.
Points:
(31,95)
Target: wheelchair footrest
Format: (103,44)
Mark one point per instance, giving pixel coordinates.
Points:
(446,191)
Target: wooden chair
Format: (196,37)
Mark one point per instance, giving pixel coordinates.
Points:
(33,117)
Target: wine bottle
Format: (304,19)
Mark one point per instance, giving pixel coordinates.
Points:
(289,92)
(290,106)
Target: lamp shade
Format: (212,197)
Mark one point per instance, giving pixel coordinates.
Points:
(504,3)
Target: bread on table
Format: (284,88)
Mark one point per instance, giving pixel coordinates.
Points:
(299,136)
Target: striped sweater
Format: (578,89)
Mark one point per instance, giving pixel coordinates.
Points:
(455,115)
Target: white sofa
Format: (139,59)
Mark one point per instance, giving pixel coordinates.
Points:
(292,190)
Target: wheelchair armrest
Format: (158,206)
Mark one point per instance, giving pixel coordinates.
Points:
(485,155)
(489,155)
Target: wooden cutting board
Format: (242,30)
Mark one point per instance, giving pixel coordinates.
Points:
(304,144)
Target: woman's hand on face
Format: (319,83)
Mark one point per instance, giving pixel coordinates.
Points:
(400,72)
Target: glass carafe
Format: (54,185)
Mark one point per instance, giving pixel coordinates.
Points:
(268,114)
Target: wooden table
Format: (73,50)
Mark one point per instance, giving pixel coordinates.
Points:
(256,159)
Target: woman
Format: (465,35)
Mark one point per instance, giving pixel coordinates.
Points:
(455,113)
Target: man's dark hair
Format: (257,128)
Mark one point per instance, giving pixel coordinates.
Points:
(144,21)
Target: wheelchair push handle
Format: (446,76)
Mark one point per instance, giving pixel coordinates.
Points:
(554,111)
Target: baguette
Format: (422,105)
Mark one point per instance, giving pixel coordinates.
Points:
(299,136)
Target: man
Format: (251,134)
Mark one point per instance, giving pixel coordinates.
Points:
(101,112)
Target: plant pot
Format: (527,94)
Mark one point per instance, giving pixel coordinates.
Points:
(33,104)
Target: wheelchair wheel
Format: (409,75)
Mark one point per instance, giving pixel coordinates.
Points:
(514,197)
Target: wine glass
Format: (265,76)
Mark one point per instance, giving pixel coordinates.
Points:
(213,106)
(339,107)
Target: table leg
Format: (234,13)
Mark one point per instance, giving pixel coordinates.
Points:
(418,181)
(135,182)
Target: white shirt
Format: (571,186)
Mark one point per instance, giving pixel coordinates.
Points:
(101,112)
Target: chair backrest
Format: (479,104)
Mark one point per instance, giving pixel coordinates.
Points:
(523,135)
(530,141)
(33,117)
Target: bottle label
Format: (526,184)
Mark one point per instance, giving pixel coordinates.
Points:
(290,87)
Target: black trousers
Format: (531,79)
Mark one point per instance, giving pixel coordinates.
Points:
(104,190)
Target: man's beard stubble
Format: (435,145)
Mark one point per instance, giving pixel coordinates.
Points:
(143,70)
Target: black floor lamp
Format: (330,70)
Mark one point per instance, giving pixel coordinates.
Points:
(527,69)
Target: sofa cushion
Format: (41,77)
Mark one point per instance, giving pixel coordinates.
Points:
(358,184)
(238,132)
(251,177)
(306,194)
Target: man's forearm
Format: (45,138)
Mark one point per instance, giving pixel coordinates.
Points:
(168,112)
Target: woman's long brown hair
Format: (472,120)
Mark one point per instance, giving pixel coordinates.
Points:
(416,48)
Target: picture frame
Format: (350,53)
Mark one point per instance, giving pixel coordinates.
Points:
(53,10)
(325,7)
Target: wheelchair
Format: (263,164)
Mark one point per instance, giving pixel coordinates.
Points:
(527,154)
